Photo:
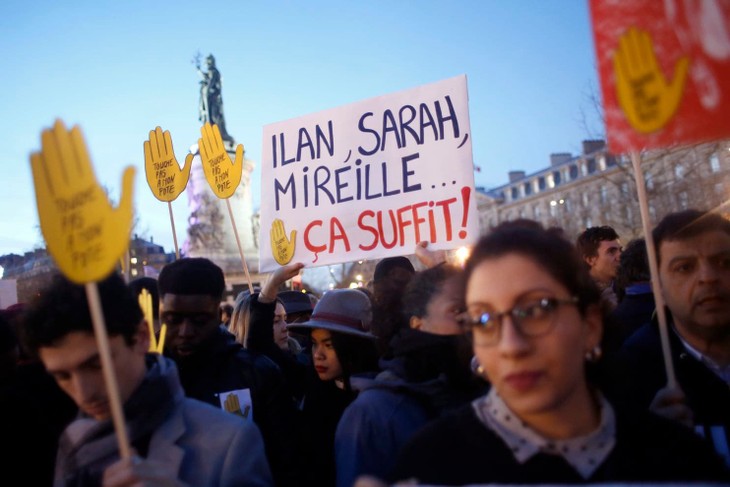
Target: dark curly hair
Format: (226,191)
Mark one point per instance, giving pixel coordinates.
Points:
(547,249)
(63,308)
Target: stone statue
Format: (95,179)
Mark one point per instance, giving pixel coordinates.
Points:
(211,99)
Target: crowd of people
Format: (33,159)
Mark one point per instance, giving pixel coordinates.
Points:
(537,362)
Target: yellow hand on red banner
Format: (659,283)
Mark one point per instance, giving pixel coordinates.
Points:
(223,175)
(282,248)
(85,236)
(164,176)
(646,97)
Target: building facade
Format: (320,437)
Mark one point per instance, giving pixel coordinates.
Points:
(598,188)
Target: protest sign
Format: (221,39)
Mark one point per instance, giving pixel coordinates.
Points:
(370,179)
(84,234)
(665,71)
(164,176)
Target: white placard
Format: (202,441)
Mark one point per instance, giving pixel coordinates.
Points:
(370,179)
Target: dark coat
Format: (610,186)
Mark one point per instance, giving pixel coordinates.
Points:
(225,366)
(637,373)
(459,449)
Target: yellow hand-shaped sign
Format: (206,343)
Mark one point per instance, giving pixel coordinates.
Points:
(145,302)
(233,405)
(647,99)
(164,176)
(84,234)
(282,248)
(222,174)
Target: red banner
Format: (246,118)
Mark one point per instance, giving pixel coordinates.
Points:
(664,69)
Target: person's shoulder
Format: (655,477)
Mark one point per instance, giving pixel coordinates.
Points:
(451,426)
(667,444)
(208,419)
(645,340)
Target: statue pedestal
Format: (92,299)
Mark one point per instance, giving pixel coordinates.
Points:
(210,232)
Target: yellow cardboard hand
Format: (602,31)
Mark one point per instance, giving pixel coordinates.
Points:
(232,404)
(282,248)
(223,175)
(84,234)
(647,99)
(164,176)
(145,302)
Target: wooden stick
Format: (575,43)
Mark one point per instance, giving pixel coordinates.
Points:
(112,389)
(240,249)
(174,234)
(653,268)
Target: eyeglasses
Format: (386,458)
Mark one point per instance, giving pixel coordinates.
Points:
(532,319)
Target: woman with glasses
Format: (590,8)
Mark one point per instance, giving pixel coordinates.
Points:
(534,316)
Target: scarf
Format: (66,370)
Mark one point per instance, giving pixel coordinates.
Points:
(87,446)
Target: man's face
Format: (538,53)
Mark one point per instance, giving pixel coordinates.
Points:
(695,278)
(604,264)
(75,363)
(191,320)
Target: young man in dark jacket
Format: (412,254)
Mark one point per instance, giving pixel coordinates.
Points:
(215,368)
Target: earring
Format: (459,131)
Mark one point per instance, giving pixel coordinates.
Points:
(476,367)
(595,354)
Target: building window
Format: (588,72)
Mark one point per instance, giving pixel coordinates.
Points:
(573,171)
(585,199)
(715,163)
(649,180)
(679,171)
(556,177)
(567,206)
(538,212)
(625,189)
(528,188)
(629,215)
(541,183)
(515,193)
(589,222)
(604,194)
(652,213)
(683,200)
(591,166)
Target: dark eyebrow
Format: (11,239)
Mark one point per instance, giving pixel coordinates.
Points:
(92,360)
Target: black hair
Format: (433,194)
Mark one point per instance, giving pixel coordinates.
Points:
(422,288)
(547,249)
(63,308)
(356,355)
(588,242)
(634,266)
(194,275)
(683,225)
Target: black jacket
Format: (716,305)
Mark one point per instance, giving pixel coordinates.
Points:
(637,373)
(225,366)
(459,449)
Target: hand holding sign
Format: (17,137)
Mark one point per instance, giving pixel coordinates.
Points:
(83,233)
(646,97)
(164,176)
(282,248)
(223,175)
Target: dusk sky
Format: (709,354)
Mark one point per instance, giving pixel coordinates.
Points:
(118,69)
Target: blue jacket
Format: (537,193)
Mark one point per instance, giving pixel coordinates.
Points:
(199,444)
(387,412)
